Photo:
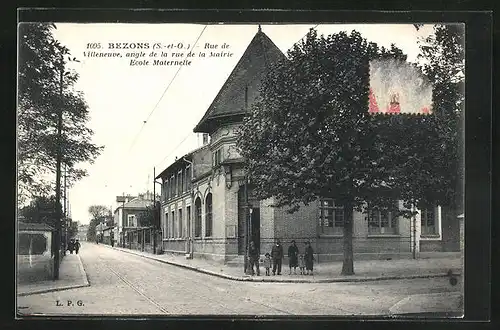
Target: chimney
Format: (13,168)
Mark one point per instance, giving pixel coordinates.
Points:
(205,138)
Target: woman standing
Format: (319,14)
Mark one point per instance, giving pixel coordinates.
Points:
(309,258)
(293,255)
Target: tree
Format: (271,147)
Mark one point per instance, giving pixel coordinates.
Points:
(146,218)
(40,210)
(310,135)
(72,229)
(41,61)
(444,64)
(98,214)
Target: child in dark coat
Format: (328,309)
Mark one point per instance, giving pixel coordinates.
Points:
(267,263)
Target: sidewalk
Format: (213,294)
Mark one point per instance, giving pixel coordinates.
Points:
(366,270)
(71,275)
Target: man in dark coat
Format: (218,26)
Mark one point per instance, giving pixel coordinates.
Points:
(77,246)
(277,255)
(309,258)
(254,255)
(293,257)
(71,245)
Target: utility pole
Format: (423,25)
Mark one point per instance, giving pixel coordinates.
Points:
(65,214)
(58,174)
(245,262)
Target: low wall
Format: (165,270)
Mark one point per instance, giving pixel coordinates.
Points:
(40,268)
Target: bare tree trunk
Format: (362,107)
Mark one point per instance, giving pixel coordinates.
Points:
(348,263)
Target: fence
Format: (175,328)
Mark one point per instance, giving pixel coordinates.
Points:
(142,239)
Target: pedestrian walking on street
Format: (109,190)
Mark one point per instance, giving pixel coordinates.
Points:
(267,263)
(293,255)
(112,242)
(309,258)
(77,246)
(277,255)
(254,258)
(71,245)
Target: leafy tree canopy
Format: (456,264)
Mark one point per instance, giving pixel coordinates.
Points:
(42,63)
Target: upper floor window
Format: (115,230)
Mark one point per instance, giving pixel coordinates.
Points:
(217,157)
(180,183)
(187,176)
(172,186)
(331,217)
(131,220)
(383,220)
(165,190)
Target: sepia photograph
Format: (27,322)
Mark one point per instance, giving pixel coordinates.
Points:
(182,169)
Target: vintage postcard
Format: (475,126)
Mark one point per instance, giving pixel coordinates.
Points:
(240,169)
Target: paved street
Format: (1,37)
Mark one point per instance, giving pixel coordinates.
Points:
(122,283)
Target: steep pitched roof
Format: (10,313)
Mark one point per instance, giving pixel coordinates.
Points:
(187,156)
(138,203)
(246,75)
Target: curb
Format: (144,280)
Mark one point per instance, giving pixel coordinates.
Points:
(62,288)
(253,279)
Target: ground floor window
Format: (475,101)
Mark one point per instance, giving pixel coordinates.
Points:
(197,218)
(165,226)
(33,243)
(383,220)
(208,215)
(428,221)
(331,218)
(173,225)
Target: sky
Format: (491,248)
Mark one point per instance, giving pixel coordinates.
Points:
(144,115)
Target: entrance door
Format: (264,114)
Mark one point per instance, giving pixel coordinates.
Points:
(241,221)
(255,226)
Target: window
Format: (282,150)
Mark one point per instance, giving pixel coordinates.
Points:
(179,183)
(208,215)
(172,186)
(131,221)
(163,192)
(188,220)
(217,157)
(382,221)
(181,233)
(331,217)
(173,225)
(197,217)
(428,220)
(165,228)
(147,237)
(187,176)
(30,244)
(167,189)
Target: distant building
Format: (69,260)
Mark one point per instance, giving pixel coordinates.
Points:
(82,232)
(126,215)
